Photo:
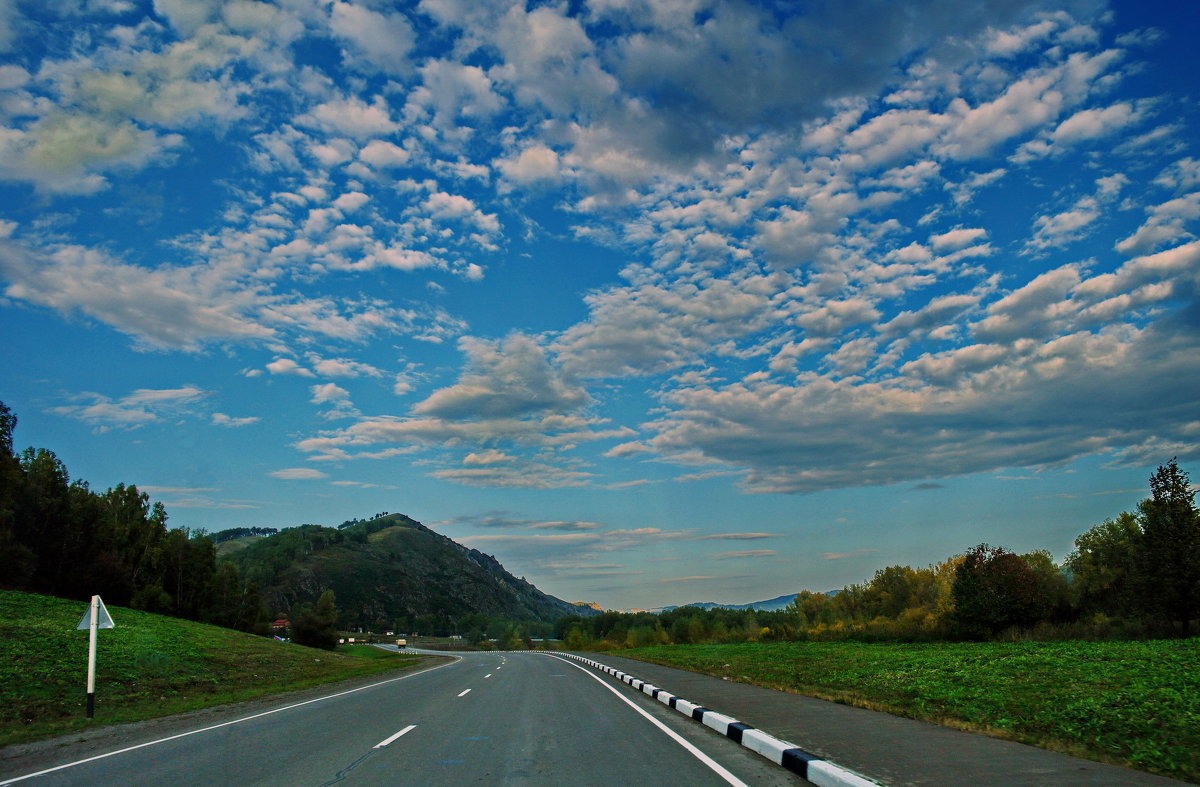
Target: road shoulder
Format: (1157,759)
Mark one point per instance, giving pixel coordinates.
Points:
(890,750)
(22,758)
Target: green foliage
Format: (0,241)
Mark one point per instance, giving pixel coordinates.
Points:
(1133,703)
(316,628)
(994,590)
(229,534)
(1170,548)
(1104,567)
(60,537)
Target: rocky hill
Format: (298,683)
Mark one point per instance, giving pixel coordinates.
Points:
(387,572)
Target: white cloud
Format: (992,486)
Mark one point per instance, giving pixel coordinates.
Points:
(351,201)
(162,307)
(521,476)
(1062,228)
(342,367)
(1031,310)
(1038,99)
(297,474)
(453,207)
(1092,123)
(836,316)
(374,40)
(328,392)
(288,366)
(656,326)
(143,406)
(458,96)
(63,154)
(352,117)
(1045,404)
(1182,175)
(957,239)
(384,155)
(535,163)
(489,457)
(508,379)
(1166,224)
(221,419)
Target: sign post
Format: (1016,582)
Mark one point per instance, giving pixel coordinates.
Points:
(96,617)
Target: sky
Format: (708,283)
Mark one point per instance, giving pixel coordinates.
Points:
(655,301)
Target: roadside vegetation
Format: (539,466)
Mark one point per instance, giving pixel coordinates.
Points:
(1133,577)
(148,666)
(1093,657)
(1128,703)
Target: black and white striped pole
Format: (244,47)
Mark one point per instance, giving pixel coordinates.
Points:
(95,618)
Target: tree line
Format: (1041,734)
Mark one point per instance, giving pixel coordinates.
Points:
(59,537)
(1137,575)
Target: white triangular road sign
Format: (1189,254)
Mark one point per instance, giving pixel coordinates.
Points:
(103,619)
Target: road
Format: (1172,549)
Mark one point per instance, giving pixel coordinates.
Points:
(494,718)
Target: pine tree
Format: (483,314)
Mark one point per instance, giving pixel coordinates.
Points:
(1170,547)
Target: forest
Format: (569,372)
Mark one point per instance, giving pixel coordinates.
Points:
(61,538)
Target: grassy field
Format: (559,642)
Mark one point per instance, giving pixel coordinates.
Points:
(1131,703)
(148,666)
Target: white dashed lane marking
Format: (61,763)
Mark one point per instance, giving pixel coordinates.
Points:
(383,743)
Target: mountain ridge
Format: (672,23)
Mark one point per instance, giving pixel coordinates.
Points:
(390,572)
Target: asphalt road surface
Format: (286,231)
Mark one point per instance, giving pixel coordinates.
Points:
(488,718)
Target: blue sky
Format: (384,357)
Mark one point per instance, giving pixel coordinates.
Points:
(656,301)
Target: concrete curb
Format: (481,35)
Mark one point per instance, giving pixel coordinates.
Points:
(807,766)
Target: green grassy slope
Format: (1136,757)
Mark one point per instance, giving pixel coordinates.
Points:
(233,545)
(1130,703)
(148,666)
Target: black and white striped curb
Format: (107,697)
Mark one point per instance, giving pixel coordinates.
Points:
(807,766)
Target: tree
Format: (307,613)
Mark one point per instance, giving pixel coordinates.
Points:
(8,425)
(18,561)
(810,608)
(1050,586)
(897,588)
(1170,548)
(317,628)
(1105,566)
(993,590)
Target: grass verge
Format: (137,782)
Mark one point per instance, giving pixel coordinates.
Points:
(1129,703)
(146,667)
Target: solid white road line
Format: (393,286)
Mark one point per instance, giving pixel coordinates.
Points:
(465,693)
(383,743)
(704,758)
(222,724)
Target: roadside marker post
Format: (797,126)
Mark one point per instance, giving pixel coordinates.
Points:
(96,617)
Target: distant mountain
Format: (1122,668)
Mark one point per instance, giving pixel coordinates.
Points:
(385,572)
(770,605)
